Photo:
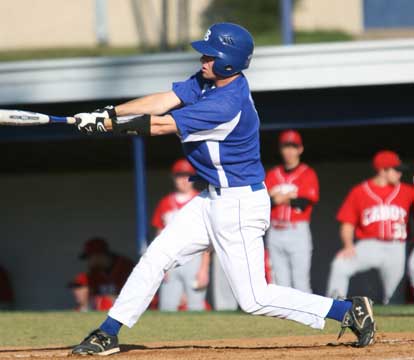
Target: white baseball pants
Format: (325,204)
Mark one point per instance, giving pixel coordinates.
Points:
(233,221)
(386,257)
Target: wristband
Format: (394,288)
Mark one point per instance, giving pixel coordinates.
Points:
(140,125)
(110,109)
(300,203)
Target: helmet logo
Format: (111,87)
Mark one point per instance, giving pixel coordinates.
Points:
(226,40)
(207,35)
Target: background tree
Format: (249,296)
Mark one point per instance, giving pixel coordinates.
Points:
(259,16)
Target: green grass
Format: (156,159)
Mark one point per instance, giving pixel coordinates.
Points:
(68,328)
(269,38)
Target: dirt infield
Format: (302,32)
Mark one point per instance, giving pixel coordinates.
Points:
(396,346)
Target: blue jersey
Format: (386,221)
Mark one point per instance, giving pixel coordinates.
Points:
(219,130)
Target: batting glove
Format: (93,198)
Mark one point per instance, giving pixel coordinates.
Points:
(106,112)
(89,123)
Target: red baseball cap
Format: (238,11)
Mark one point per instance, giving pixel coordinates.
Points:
(290,137)
(182,166)
(386,159)
(93,246)
(79,280)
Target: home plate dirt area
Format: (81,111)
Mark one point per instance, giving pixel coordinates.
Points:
(388,346)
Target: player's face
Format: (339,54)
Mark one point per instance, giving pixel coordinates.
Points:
(290,153)
(182,184)
(99,261)
(207,63)
(393,176)
(81,295)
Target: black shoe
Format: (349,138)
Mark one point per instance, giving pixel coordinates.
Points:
(360,319)
(98,342)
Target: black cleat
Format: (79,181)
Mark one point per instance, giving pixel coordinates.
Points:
(360,319)
(98,342)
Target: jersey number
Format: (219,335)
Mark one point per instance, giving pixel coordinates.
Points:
(399,231)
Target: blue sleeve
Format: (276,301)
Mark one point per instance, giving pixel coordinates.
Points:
(212,118)
(189,90)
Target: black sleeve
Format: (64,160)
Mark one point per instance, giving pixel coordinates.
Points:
(300,203)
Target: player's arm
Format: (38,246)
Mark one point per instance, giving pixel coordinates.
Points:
(282,199)
(308,193)
(348,216)
(346,233)
(277,197)
(149,119)
(150,125)
(155,104)
(144,125)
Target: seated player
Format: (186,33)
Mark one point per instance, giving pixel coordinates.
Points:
(375,212)
(80,291)
(192,278)
(107,271)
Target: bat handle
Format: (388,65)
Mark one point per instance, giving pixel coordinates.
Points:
(107,122)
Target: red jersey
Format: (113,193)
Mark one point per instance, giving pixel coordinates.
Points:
(168,207)
(378,212)
(110,281)
(304,181)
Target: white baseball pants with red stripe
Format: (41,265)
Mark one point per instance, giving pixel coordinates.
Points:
(233,222)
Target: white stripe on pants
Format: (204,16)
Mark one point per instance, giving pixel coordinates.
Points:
(234,224)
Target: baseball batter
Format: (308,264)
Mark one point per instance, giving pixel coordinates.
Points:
(376,211)
(294,189)
(214,116)
(192,278)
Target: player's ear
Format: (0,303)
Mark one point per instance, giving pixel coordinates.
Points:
(301,149)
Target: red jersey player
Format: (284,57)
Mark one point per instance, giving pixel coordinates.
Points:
(192,278)
(107,271)
(376,213)
(294,189)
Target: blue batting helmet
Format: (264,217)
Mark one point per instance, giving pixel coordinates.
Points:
(231,45)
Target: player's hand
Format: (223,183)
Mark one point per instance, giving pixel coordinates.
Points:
(202,279)
(347,252)
(89,122)
(106,112)
(292,195)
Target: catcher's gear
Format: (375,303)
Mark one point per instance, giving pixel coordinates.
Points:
(360,319)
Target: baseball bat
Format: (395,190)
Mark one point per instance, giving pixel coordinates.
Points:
(29,118)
